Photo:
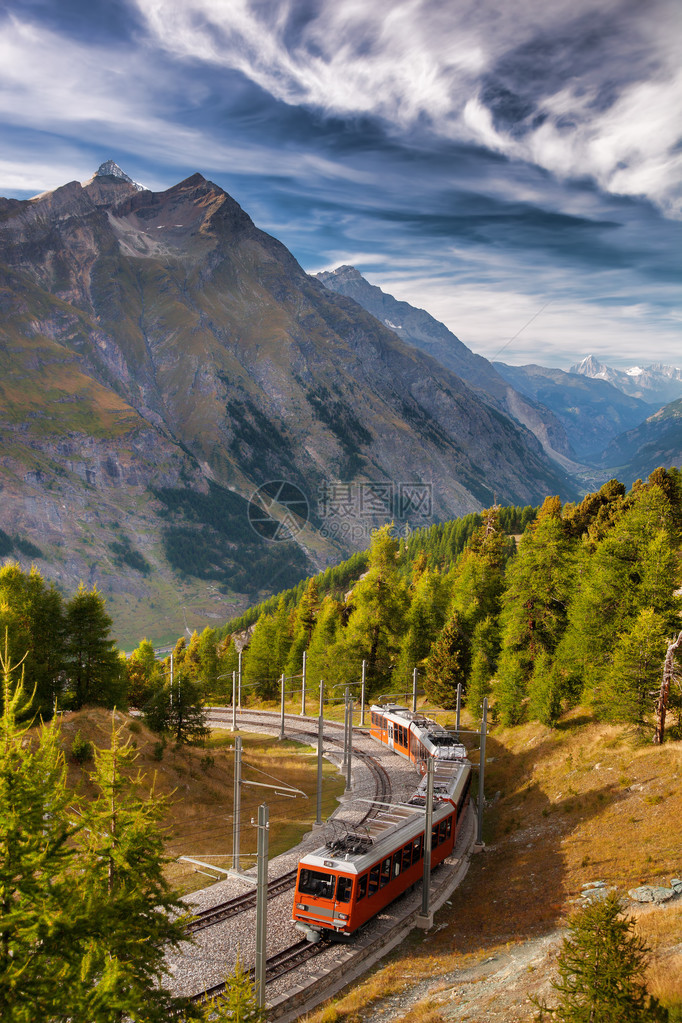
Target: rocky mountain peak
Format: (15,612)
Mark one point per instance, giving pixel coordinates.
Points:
(110,169)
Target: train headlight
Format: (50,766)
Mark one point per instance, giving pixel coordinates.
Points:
(342,916)
(301,905)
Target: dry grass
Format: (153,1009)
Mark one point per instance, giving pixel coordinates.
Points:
(198,784)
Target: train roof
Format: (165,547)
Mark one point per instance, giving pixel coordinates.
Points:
(448,778)
(355,849)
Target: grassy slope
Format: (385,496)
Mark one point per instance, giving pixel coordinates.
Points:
(199,817)
(581,803)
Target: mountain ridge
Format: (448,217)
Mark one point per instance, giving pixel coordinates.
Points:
(244,368)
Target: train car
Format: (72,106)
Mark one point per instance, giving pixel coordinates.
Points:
(413,736)
(358,872)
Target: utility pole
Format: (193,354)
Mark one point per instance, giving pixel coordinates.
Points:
(414,690)
(425,920)
(234,701)
(362,697)
(261,903)
(349,760)
(345,727)
(171,682)
(281,720)
(303,677)
(481,773)
(236,812)
(239,679)
(459,702)
(320,731)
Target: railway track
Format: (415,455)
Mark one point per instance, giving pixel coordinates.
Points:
(276,965)
(247,900)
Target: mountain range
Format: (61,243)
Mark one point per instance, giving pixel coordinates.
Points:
(656,383)
(163,359)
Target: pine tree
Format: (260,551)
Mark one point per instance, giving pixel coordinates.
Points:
(133,913)
(601,970)
(448,664)
(92,663)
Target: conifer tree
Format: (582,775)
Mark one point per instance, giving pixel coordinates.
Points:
(33,613)
(208,662)
(134,915)
(424,620)
(448,664)
(177,709)
(237,1003)
(376,622)
(40,927)
(601,970)
(624,694)
(144,675)
(92,663)
(545,690)
(485,645)
(261,665)
(321,663)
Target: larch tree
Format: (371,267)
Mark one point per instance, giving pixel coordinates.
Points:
(448,664)
(92,663)
(40,926)
(135,916)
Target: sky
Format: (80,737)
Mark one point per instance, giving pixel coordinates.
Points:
(512,166)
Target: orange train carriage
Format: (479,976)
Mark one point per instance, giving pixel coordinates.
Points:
(412,735)
(358,872)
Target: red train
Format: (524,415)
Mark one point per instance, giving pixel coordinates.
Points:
(359,871)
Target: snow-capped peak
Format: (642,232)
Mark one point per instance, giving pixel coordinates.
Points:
(112,170)
(634,371)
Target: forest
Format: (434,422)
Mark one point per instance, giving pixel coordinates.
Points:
(536,609)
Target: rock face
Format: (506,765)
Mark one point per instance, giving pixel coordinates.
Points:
(419,328)
(162,358)
(656,441)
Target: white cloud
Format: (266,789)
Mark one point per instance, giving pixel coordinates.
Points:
(421,60)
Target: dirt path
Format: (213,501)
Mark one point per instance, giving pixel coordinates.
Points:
(491,989)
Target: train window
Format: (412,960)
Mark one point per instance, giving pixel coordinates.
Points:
(316,882)
(448,829)
(362,887)
(442,831)
(344,887)
(407,856)
(434,836)
(417,848)
(397,857)
(386,871)
(374,879)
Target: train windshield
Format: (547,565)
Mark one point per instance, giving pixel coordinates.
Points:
(316,882)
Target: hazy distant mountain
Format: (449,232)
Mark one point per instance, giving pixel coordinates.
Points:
(655,384)
(591,411)
(422,330)
(657,441)
(162,358)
